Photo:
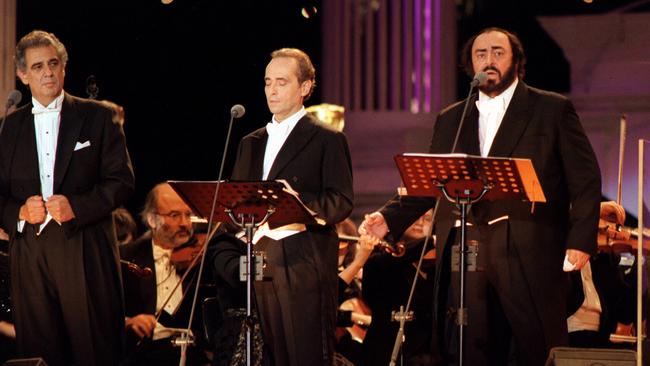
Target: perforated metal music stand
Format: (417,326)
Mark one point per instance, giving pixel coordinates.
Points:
(464,180)
(248,205)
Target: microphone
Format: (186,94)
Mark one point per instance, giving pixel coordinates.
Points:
(479,79)
(91,87)
(13,99)
(237,111)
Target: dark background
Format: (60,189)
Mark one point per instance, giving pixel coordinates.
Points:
(178,68)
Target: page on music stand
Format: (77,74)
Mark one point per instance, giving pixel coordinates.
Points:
(247,197)
(507,178)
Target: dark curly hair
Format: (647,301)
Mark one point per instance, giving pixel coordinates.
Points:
(518,55)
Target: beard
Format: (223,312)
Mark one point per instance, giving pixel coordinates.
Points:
(505,81)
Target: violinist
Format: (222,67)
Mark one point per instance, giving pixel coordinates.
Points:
(148,298)
(387,281)
(602,292)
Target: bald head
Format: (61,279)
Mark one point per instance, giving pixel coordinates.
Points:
(168,217)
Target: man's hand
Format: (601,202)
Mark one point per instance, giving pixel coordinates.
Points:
(59,208)
(374,225)
(33,210)
(612,212)
(142,324)
(578,258)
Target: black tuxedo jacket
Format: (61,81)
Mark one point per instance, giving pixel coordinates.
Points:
(95,179)
(545,128)
(140,295)
(298,324)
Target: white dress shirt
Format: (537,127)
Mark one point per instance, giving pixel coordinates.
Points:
(491,112)
(47,120)
(166,280)
(278,133)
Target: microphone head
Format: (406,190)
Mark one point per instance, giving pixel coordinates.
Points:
(14,98)
(479,79)
(237,111)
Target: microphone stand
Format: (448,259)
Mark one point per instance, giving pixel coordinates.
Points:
(402,315)
(233,114)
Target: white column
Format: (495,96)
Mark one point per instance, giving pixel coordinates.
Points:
(7,46)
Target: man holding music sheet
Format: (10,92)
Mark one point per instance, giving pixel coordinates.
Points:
(518,296)
(297,307)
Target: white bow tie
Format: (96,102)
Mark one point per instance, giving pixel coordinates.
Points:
(487,106)
(38,109)
(274,129)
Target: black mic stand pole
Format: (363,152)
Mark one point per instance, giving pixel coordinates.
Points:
(402,315)
(185,337)
(463,205)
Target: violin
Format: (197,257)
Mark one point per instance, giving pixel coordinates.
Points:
(183,256)
(618,238)
(137,270)
(396,250)
(361,317)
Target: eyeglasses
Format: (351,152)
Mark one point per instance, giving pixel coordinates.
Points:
(176,216)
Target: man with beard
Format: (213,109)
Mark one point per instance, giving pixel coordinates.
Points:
(518,296)
(168,218)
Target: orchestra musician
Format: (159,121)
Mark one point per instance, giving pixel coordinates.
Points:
(387,281)
(156,308)
(604,290)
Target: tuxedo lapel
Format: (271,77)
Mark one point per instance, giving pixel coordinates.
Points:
(468,141)
(258,147)
(297,139)
(69,129)
(513,124)
(26,155)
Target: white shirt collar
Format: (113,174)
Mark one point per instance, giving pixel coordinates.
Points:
(287,125)
(506,95)
(54,106)
(160,252)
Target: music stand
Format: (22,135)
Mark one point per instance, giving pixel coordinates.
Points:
(248,205)
(464,180)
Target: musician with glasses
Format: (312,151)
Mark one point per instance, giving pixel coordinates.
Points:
(149,339)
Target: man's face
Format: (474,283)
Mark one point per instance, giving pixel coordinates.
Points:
(170,225)
(44,73)
(492,54)
(284,94)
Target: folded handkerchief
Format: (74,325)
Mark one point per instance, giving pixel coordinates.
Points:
(80,145)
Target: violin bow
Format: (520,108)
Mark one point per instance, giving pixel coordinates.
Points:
(621,154)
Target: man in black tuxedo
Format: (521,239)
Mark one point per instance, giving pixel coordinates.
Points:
(298,305)
(521,292)
(150,341)
(64,168)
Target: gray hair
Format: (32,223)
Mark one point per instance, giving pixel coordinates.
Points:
(38,38)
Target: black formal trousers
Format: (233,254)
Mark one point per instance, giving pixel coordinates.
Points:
(65,282)
(530,241)
(297,307)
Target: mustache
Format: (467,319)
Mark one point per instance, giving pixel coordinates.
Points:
(492,68)
(183,232)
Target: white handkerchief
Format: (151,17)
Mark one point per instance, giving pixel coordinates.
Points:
(80,145)
(568,266)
